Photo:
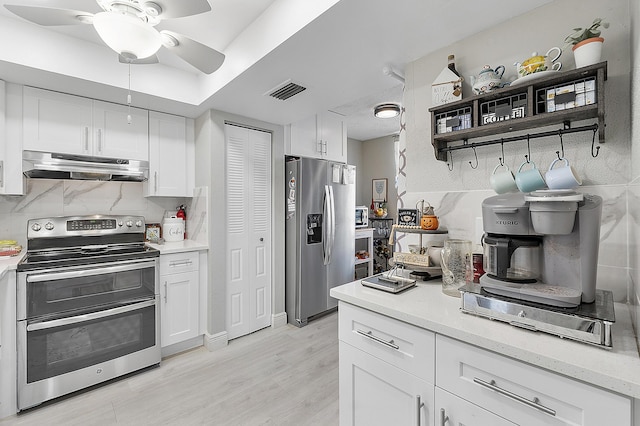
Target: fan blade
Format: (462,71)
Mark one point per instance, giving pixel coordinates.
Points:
(180,8)
(49,16)
(197,54)
(153,59)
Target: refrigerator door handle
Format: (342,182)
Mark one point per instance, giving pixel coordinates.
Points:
(326,225)
(332,225)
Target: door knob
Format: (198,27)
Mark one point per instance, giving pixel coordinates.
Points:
(261,239)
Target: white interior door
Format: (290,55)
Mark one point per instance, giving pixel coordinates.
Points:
(248,248)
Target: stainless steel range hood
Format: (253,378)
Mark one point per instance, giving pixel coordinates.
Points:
(46,165)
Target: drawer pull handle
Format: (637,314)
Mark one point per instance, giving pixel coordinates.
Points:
(419,405)
(535,403)
(183,263)
(370,335)
(443,417)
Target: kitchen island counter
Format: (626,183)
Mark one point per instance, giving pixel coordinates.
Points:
(425,306)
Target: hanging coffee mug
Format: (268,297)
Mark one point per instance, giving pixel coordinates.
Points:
(529,180)
(562,177)
(503,181)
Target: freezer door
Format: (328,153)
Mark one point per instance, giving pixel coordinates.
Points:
(341,268)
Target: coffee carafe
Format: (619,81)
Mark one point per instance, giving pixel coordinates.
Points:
(542,246)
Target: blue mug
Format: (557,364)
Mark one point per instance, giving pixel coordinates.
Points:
(529,180)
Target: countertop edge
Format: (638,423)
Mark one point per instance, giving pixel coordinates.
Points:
(553,354)
(178,246)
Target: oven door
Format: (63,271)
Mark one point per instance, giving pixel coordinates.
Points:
(58,292)
(64,355)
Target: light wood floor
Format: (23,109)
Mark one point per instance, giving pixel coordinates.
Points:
(286,376)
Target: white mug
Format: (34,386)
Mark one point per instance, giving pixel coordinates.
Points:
(562,177)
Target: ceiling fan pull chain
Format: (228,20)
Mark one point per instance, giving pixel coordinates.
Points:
(129,98)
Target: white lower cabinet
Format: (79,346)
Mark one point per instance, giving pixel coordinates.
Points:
(392,372)
(386,370)
(179,297)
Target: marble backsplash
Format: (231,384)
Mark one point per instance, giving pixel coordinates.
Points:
(460,213)
(45,197)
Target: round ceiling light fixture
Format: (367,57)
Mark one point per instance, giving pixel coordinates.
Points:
(386,110)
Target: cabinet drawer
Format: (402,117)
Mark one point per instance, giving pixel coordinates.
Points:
(409,348)
(178,262)
(521,392)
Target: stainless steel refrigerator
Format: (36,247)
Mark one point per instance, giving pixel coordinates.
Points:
(319,232)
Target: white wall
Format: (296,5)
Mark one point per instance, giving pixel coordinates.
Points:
(378,163)
(457,195)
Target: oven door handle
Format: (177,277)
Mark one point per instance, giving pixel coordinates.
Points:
(90,316)
(53,276)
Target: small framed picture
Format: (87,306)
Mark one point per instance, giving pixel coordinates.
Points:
(407,217)
(153,232)
(379,189)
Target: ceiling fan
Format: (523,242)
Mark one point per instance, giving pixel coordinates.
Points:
(127,27)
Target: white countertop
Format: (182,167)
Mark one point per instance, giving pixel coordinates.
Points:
(8,263)
(179,246)
(425,306)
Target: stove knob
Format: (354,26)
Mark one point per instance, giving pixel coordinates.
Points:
(48,226)
(129,223)
(120,224)
(36,227)
(138,223)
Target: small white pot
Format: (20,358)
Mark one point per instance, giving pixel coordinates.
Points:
(588,52)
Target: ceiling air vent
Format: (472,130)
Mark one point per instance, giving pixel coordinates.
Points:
(285,90)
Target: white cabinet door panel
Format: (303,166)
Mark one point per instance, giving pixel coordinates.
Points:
(374,392)
(115,136)
(56,122)
(453,411)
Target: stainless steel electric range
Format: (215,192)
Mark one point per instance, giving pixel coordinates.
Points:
(87,304)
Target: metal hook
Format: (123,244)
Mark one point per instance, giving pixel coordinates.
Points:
(528,154)
(593,141)
(501,159)
(476,154)
(450,166)
(561,146)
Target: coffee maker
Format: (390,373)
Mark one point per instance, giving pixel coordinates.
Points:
(542,247)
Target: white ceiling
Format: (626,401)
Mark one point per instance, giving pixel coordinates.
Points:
(337,49)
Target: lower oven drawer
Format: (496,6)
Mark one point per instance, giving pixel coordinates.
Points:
(67,354)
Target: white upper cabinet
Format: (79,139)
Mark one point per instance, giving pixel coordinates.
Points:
(61,123)
(320,136)
(171,156)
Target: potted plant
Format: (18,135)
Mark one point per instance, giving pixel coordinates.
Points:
(587,43)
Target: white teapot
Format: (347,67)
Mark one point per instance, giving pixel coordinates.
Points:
(488,79)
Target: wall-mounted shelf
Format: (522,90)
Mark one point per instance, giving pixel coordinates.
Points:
(580,94)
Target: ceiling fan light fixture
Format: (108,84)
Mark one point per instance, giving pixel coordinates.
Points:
(386,110)
(127,35)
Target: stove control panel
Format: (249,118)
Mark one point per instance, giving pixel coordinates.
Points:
(90,224)
(84,225)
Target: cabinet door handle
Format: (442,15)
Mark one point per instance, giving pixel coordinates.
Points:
(319,146)
(155,180)
(535,403)
(443,417)
(86,139)
(100,141)
(370,335)
(419,405)
(324,144)
(165,292)
(1,174)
